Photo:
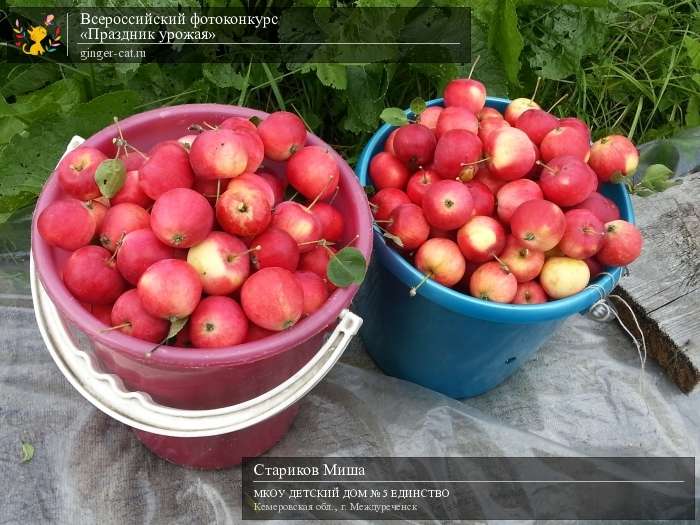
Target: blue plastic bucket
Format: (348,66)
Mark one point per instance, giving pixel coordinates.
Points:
(448,341)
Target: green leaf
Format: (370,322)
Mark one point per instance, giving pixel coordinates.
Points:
(657,178)
(505,38)
(692,49)
(417,106)
(223,76)
(680,153)
(9,127)
(110,176)
(27,452)
(394,116)
(25,78)
(176,326)
(347,267)
(31,156)
(333,75)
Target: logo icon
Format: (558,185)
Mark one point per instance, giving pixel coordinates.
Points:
(37,40)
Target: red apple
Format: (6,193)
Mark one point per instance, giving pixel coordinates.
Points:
(386,171)
(415,145)
(488,179)
(139,250)
(567,181)
(419,183)
(481,238)
(132,192)
(602,207)
(331,220)
(255,333)
(313,172)
(457,155)
(210,188)
(492,282)
(218,154)
(440,260)
(489,125)
(530,293)
(243,211)
(315,291)
(430,116)
(238,123)
(273,299)
(98,209)
(513,194)
(316,261)
(484,200)
(67,224)
(573,122)
(276,182)
(167,168)
(389,144)
(447,204)
(132,160)
(181,218)
(511,154)
(170,289)
(622,244)
(465,92)
(524,263)
(129,313)
(563,276)
(594,266)
(277,248)
(408,223)
(517,107)
(222,262)
(101,312)
(487,112)
(565,141)
(76,173)
(90,275)
(613,158)
(254,148)
(283,134)
(455,117)
(583,236)
(536,123)
(299,222)
(387,200)
(246,181)
(538,224)
(218,322)
(120,220)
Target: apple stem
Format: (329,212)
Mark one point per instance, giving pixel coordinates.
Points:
(537,86)
(351,241)
(121,142)
(476,61)
(116,327)
(209,125)
(325,187)
(559,100)
(320,242)
(256,248)
(544,166)
(412,292)
(502,263)
(475,163)
(117,246)
(218,191)
(136,150)
(335,194)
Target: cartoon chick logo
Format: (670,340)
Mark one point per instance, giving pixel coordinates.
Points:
(31,40)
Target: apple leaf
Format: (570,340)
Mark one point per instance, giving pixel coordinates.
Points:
(679,153)
(394,116)
(110,176)
(176,326)
(657,178)
(505,38)
(27,452)
(417,106)
(347,267)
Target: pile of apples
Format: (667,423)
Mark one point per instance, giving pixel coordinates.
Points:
(504,207)
(198,233)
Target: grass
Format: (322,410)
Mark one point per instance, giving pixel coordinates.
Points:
(641,83)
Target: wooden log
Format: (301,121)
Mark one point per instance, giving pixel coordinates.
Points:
(663,285)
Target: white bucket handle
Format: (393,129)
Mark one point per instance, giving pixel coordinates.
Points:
(136,409)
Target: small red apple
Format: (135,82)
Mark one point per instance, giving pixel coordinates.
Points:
(414,145)
(517,107)
(387,200)
(167,167)
(299,222)
(273,299)
(467,93)
(481,238)
(440,260)
(218,322)
(218,154)
(277,248)
(132,192)
(283,134)
(622,244)
(120,220)
(565,141)
(530,293)
(90,275)
(583,236)
(76,173)
(524,263)
(181,218)
(536,123)
(456,117)
(457,155)
(429,117)
(447,204)
(313,171)
(243,212)
(67,224)
(484,200)
(613,158)
(386,171)
(567,181)
(538,224)
(170,289)
(489,125)
(315,291)
(602,207)
(128,313)
(510,152)
(419,183)
(331,220)
(513,194)
(409,225)
(139,250)
(222,262)
(492,282)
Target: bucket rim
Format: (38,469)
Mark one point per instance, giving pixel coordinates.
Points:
(176,357)
(464,304)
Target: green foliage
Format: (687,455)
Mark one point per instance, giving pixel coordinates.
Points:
(110,177)
(347,267)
